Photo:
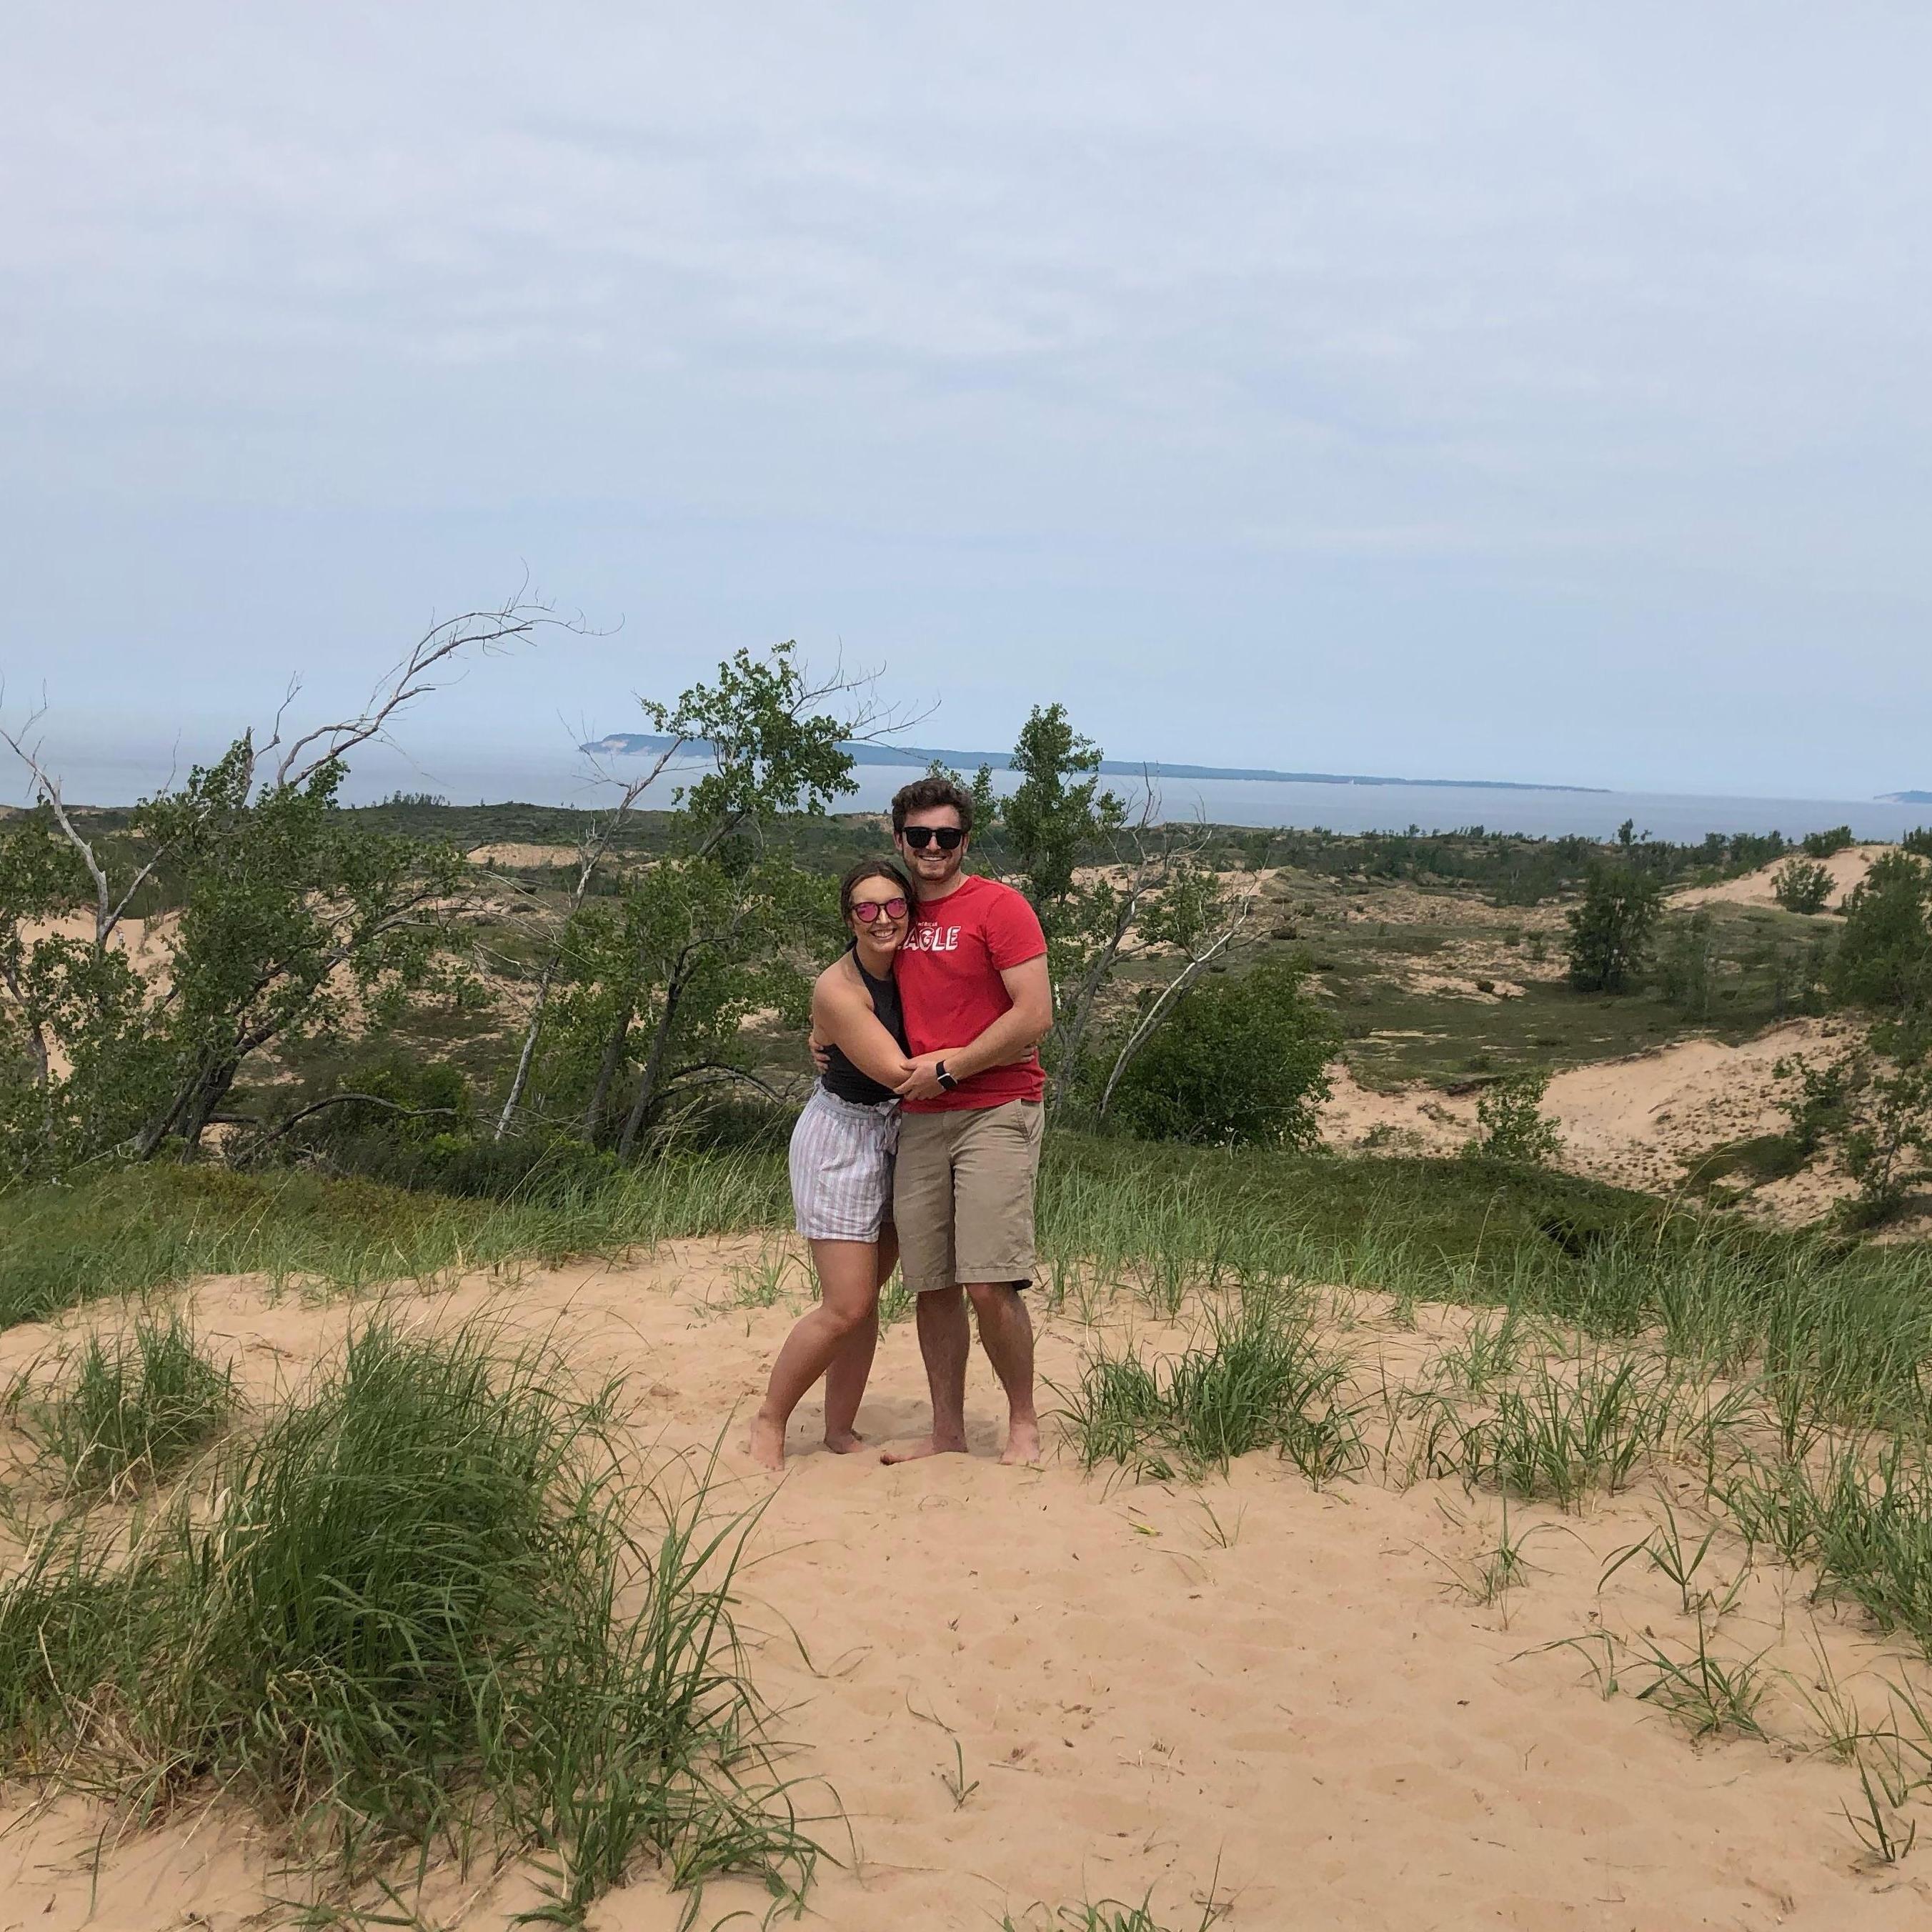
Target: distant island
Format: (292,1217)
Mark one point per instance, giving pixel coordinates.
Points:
(1905,798)
(626,744)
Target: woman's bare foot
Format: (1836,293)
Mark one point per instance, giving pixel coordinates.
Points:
(768,1439)
(843,1441)
(1022,1443)
(926,1445)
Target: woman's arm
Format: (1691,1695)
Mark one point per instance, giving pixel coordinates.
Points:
(842,1015)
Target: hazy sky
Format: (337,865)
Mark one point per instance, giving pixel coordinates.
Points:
(1514,391)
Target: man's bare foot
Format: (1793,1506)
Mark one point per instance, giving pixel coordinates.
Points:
(926,1445)
(768,1439)
(1022,1444)
(843,1441)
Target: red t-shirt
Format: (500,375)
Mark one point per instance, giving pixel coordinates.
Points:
(949,985)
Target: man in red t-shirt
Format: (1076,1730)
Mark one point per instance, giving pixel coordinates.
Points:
(973,981)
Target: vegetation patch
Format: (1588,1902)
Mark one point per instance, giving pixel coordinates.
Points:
(127,1408)
(415,1616)
(1260,1380)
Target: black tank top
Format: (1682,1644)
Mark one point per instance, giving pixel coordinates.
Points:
(841,1079)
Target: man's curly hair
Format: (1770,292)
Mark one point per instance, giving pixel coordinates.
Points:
(923,794)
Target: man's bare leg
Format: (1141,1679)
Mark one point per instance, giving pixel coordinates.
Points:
(1006,1333)
(848,1371)
(945,1341)
(848,1280)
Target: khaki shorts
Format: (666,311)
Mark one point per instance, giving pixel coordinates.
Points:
(962,1195)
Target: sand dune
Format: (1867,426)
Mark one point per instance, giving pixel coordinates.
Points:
(1251,1687)
(518,856)
(1640,1122)
(1847,869)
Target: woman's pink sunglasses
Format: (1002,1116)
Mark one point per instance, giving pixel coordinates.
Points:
(866,911)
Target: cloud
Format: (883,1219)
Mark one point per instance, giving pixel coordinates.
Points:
(1572,320)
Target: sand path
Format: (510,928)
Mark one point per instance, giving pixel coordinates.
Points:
(1286,1693)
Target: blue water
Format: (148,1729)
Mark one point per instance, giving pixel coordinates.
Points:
(466,776)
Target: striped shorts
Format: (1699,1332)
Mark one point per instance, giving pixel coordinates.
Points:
(841,1168)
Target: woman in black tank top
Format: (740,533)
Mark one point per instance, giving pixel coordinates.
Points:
(841,1079)
(841,1164)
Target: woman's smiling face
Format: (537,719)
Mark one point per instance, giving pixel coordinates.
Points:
(879,915)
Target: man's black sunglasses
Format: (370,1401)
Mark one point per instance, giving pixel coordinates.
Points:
(946,837)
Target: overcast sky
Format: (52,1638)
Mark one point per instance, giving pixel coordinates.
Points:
(1511,391)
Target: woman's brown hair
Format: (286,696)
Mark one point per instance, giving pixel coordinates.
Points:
(871,868)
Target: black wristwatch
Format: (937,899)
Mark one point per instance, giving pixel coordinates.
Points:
(945,1080)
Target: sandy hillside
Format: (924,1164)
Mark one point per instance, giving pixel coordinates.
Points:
(1637,1122)
(509,852)
(1252,1685)
(1847,869)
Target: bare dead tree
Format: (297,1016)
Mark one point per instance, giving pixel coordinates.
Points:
(110,906)
(1198,951)
(396,1109)
(1148,850)
(422,670)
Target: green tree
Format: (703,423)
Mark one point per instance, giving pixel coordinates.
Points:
(293,916)
(76,1066)
(1884,958)
(288,923)
(660,978)
(1610,932)
(1057,811)
(1240,1060)
(1823,845)
(1895,1125)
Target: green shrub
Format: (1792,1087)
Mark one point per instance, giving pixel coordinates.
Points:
(1801,885)
(1686,962)
(1240,1060)
(1894,1122)
(1510,1123)
(1918,841)
(1823,845)
(1610,932)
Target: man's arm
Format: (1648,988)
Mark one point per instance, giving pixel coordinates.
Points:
(1019,1029)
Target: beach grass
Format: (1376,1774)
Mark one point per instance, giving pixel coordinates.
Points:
(124,1409)
(131,1231)
(414,1612)
(1259,1379)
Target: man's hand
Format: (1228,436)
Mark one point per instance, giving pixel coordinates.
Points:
(922,1082)
(820,1058)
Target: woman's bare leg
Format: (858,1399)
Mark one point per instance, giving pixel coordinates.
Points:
(848,1284)
(846,1376)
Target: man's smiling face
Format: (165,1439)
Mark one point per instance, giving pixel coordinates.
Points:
(932,867)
